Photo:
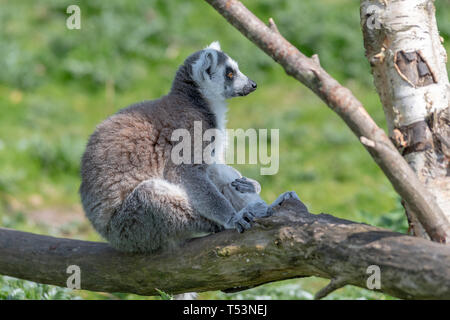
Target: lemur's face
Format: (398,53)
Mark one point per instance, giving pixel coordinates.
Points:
(235,82)
(218,76)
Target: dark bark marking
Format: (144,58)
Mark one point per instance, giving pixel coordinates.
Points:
(413,68)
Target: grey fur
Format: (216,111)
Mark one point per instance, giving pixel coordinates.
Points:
(137,198)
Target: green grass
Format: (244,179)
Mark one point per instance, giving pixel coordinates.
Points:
(57,84)
(15,289)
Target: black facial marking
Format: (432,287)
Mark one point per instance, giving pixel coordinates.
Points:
(229,70)
(228,80)
(221,58)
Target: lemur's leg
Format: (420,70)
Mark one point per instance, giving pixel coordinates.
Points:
(247,185)
(226,177)
(156,214)
(283,197)
(243,192)
(207,200)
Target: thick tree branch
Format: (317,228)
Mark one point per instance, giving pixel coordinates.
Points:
(345,104)
(293,243)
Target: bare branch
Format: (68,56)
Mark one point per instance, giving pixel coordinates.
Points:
(292,243)
(334,284)
(367,142)
(273,26)
(315,57)
(345,104)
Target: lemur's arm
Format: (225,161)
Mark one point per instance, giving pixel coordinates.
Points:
(222,175)
(208,201)
(241,192)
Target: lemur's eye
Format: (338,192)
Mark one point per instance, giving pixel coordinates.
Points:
(229,73)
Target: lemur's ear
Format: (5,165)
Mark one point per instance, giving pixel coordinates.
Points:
(205,65)
(214,45)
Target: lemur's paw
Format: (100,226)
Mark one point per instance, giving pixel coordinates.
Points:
(283,197)
(246,185)
(243,220)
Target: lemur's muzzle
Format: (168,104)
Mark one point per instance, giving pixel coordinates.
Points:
(249,87)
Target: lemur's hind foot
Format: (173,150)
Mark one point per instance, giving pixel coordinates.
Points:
(247,190)
(283,197)
(286,196)
(260,209)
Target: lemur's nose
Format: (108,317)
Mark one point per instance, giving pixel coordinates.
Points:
(253,84)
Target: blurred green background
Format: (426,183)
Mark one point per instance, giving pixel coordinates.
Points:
(57,84)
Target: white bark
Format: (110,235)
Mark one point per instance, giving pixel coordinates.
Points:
(408,62)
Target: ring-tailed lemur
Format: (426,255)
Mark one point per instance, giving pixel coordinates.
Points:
(131,190)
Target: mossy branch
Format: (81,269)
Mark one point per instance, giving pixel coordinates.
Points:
(292,243)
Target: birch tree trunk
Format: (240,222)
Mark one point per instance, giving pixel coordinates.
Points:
(408,63)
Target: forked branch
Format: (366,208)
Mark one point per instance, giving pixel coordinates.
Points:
(341,100)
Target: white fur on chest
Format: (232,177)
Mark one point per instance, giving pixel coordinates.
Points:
(219,108)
